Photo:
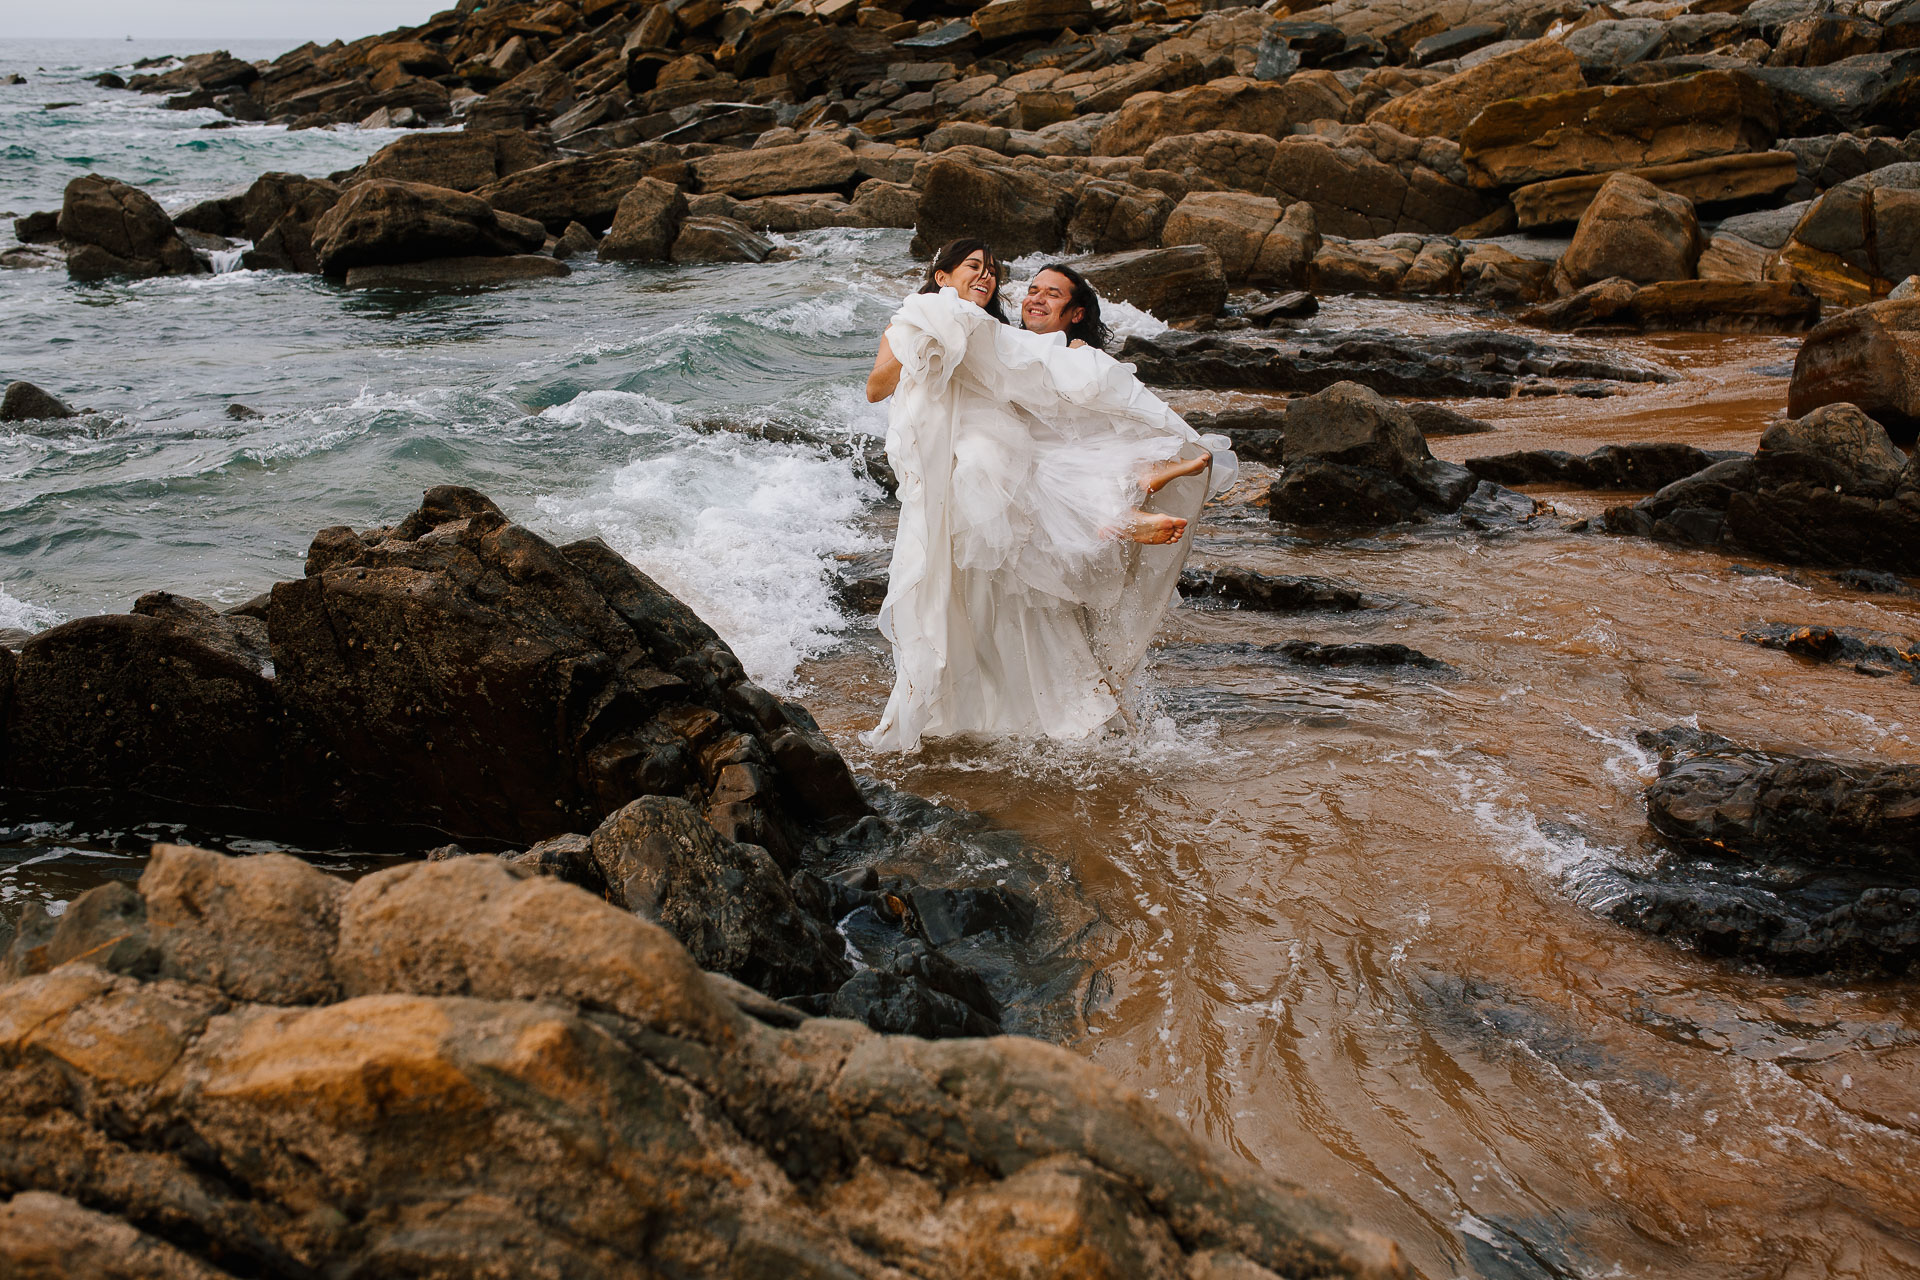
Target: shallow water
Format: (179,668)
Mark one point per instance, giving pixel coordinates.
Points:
(1354,933)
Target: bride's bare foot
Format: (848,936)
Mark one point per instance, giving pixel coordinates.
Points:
(1156,477)
(1153,528)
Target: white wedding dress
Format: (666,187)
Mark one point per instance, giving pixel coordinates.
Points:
(1012,607)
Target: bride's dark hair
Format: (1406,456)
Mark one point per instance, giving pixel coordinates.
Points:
(952,255)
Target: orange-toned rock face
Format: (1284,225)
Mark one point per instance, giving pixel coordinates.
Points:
(1526,140)
(517,1078)
(1445,109)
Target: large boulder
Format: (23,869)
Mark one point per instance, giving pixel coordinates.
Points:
(454,673)
(816,165)
(1868,357)
(1233,103)
(1351,457)
(645,224)
(463,160)
(966,191)
(112,229)
(1829,488)
(1232,224)
(1715,113)
(279,213)
(1445,109)
(1859,240)
(585,189)
(467,1070)
(1172,284)
(1112,217)
(1355,193)
(1635,231)
(380,222)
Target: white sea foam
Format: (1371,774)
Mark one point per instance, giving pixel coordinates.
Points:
(741,530)
(21,615)
(627,412)
(830,316)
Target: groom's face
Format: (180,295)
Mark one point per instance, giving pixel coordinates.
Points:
(1047,309)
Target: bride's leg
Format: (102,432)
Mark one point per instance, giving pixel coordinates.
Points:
(1153,528)
(1155,476)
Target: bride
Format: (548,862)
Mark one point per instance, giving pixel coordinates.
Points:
(1044,495)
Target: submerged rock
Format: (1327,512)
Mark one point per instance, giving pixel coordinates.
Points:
(1486,364)
(457,273)
(1614,466)
(243,1039)
(1272,593)
(1803,865)
(24,402)
(1868,653)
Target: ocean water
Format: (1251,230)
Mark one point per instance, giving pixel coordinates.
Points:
(567,401)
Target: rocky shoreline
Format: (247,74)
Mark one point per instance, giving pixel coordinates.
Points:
(644,881)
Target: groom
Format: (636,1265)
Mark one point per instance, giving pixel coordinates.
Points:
(1059,300)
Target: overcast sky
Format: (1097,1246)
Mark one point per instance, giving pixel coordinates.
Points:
(215,19)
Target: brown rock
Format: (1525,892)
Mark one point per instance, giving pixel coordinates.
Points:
(586,190)
(49,1237)
(260,929)
(1362,266)
(1636,231)
(1602,303)
(1113,217)
(476,272)
(1718,178)
(380,222)
(1288,251)
(1869,357)
(576,241)
(1731,258)
(112,229)
(718,240)
(1726,306)
(1232,224)
(1859,239)
(1435,269)
(1172,284)
(886,204)
(969,192)
(1011,19)
(1234,103)
(1715,113)
(817,165)
(463,161)
(1445,109)
(646,223)
(641,1101)
(1218,158)
(727,903)
(279,213)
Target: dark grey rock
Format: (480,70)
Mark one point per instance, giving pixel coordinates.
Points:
(24,402)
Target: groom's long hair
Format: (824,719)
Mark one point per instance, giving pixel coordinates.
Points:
(1089,328)
(952,255)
